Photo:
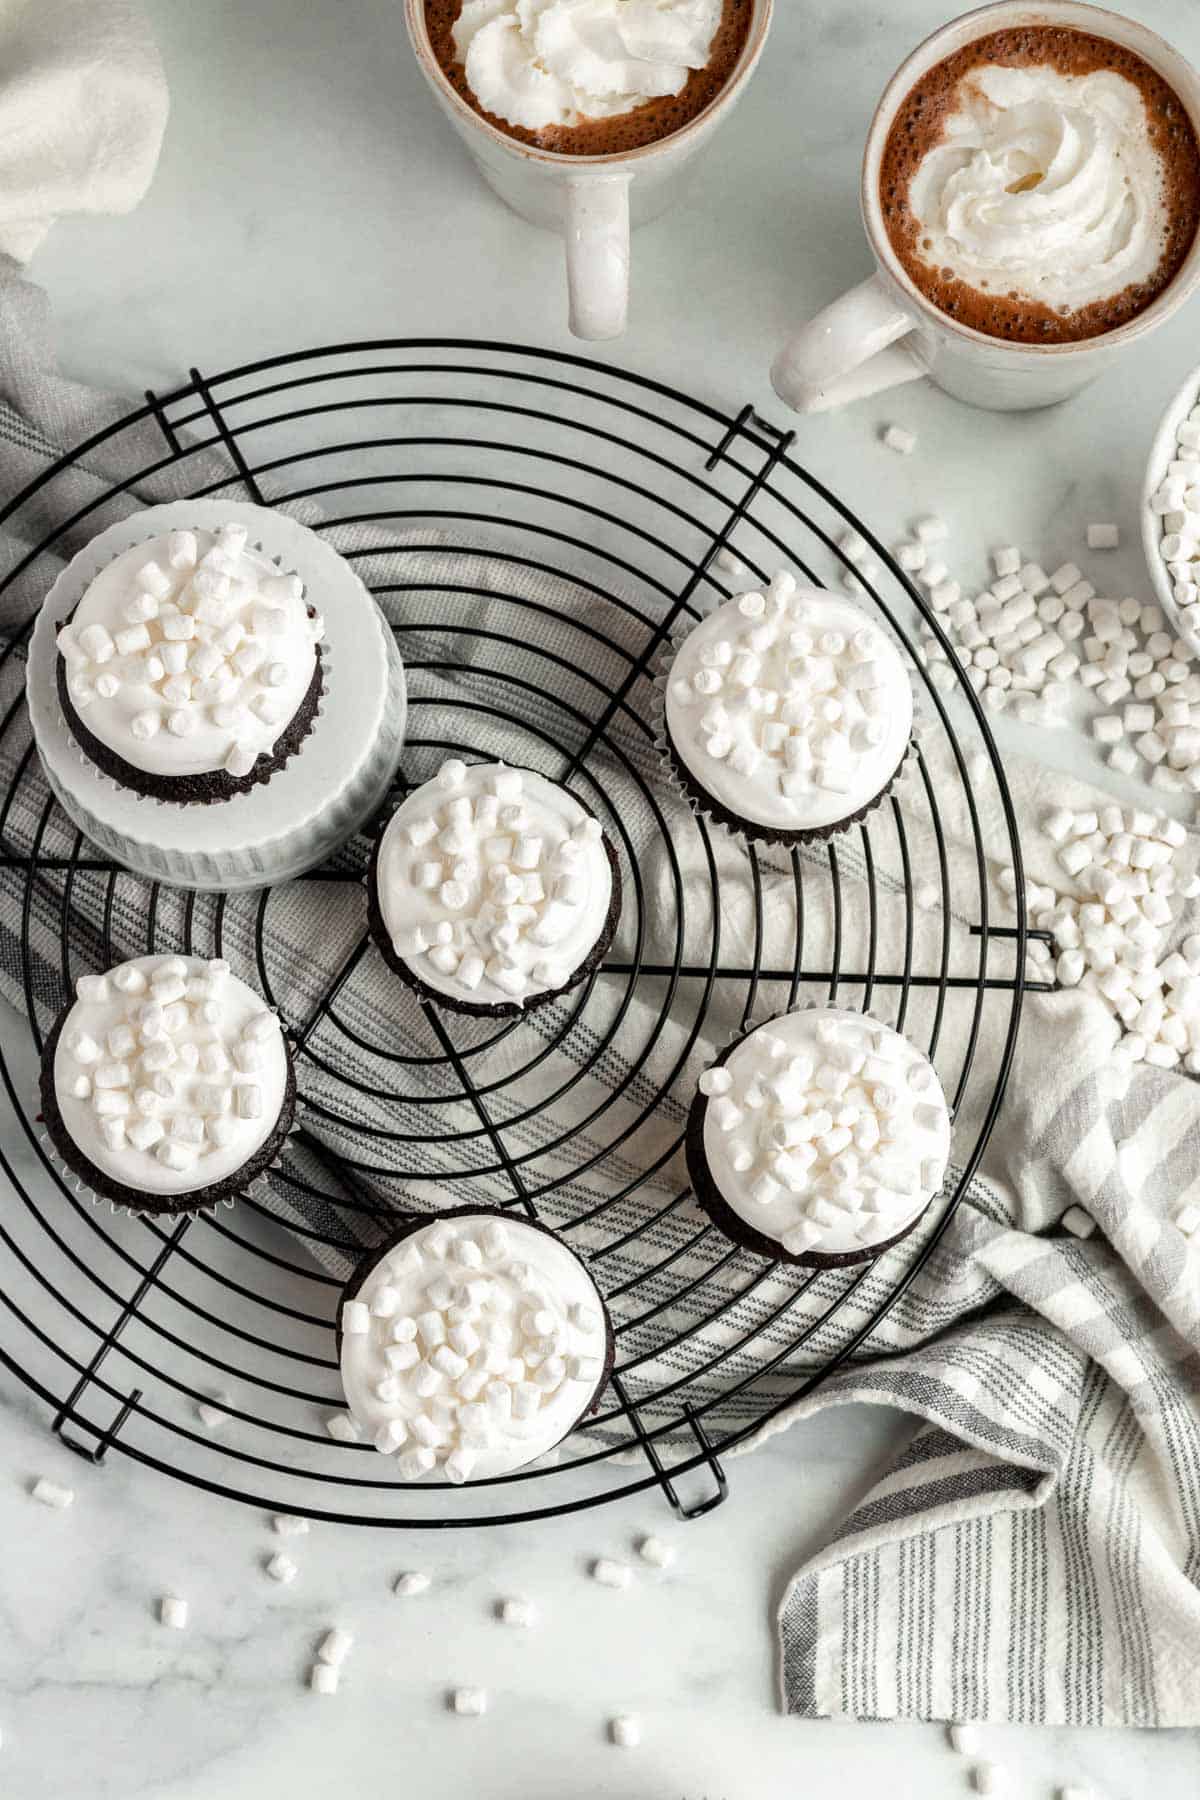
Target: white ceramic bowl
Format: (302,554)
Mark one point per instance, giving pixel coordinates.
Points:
(1162,452)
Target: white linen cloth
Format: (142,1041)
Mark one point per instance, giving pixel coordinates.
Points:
(83,106)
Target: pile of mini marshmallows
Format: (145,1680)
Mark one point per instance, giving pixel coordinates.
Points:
(1030,639)
(777,695)
(498,882)
(1110,940)
(182,1100)
(1177,503)
(834,1129)
(490,1344)
(205,633)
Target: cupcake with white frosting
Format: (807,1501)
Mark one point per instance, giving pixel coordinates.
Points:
(470,1345)
(819,1138)
(167,1084)
(787,715)
(216,699)
(493,890)
(190,670)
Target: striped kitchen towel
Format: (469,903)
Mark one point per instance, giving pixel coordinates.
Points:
(1034,1553)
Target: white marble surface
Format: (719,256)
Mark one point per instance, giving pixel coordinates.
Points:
(309,192)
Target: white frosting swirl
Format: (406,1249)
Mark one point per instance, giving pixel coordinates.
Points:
(536,63)
(1044,184)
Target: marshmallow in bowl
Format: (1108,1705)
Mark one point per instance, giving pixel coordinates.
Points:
(566,60)
(1044,183)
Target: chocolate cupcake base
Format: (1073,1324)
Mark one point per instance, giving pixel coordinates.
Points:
(711,808)
(211,786)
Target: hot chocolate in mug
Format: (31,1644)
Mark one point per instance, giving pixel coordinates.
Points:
(591,200)
(886,331)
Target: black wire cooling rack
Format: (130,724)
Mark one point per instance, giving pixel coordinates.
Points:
(491,468)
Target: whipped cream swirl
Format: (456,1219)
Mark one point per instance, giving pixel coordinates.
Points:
(1044,184)
(539,63)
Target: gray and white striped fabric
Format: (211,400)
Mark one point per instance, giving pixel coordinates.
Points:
(1034,1553)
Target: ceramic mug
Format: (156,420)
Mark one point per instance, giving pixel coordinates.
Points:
(885,331)
(591,200)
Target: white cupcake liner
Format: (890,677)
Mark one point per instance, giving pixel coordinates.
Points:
(747,835)
(258,1189)
(335,779)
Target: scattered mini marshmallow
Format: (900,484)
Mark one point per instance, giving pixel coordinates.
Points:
(610,1573)
(728,563)
(289,1525)
(987,1777)
(323,1678)
(898,439)
(931,530)
(964,1739)
(335,1647)
(1102,536)
(625,1731)
(173,1612)
(654,1551)
(469,1702)
(520,1613)
(344,1428)
(52,1493)
(281,1568)
(412,1581)
(211,1413)
(1187,1220)
(1079,1223)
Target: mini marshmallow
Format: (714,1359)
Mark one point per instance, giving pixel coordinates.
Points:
(289,1525)
(281,1568)
(469,1702)
(411,1583)
(654,1551)
(52,1493)
(323,1678)
(625,1731)
(610,1573)
(173,1612)
(898,439)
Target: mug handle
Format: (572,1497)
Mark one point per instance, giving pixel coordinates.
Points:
(847,352)
(597,232)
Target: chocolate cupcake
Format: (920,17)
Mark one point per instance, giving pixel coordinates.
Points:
(819,1138)
(787,715)
(471,1345)
(190,670)
(493,890)
(167,1085)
